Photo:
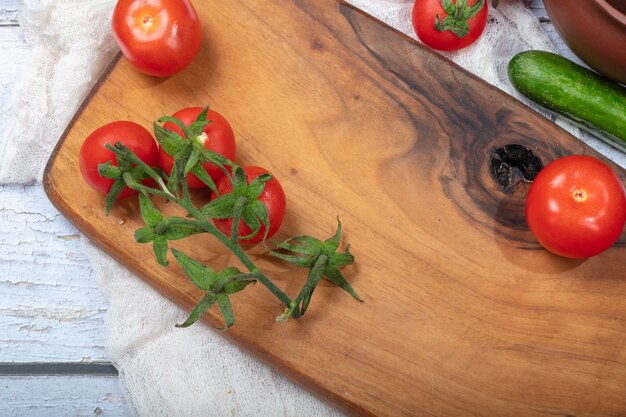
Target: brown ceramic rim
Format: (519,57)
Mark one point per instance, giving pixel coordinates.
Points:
(612,11)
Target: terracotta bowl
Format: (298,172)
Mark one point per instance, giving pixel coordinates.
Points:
(595,30)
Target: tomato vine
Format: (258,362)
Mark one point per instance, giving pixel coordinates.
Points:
(322,258)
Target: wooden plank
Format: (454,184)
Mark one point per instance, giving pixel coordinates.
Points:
(9,11)
(464,314)
(51,308)
(55,396)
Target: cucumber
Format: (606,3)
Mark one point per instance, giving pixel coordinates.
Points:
(560,86)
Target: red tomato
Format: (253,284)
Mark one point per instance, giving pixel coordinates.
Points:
(92,152)
(158,37)
(424,16)
(576,207)
(272,196)
(220,139)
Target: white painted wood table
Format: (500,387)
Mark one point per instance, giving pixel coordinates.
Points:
(52,356)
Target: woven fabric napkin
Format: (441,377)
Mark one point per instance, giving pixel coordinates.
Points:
(192,372)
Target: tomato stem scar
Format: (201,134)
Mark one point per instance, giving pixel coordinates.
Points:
(147,21)
(579,195)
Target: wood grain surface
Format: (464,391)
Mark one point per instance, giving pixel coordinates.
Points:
(464,314)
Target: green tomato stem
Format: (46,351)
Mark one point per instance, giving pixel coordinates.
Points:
(125,153)
(315,275)
(239,206)
(219,287)
(236,249)
(131,183)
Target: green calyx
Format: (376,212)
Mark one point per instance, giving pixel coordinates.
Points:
(125,166)
(242,203)
(457,15)
(188,152)
(217,287)
(322,258)
(159,230)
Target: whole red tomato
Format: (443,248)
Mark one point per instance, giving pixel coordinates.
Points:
(92,152)
(272,196)
(158,37)
(220,139)
(456,28)
(576,207)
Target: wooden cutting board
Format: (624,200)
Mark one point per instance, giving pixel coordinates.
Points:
(464,314)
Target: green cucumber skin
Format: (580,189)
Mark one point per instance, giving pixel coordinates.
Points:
(567,89)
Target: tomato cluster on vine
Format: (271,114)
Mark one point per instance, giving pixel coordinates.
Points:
(217,136)
(193,148)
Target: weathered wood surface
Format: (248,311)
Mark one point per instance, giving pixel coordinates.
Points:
(51,310)
(61,396)
(55,310)
(464,314)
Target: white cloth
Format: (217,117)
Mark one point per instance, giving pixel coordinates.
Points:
(72,45)
(191,372)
